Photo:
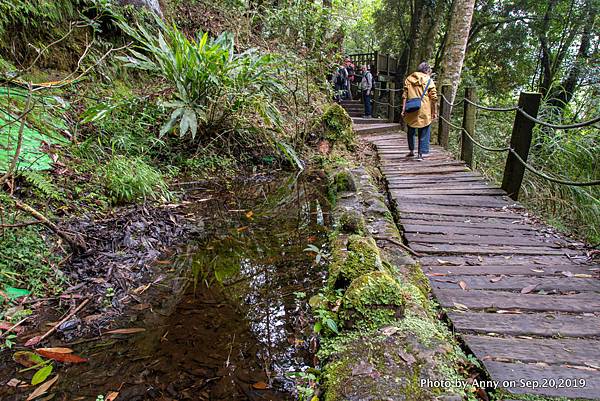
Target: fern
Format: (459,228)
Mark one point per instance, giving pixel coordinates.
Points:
(42,183)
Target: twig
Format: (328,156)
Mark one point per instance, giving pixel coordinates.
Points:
(56,326)
(77,243)
(401,245)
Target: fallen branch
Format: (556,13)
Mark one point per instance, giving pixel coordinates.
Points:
(76,242)
(401,245)
(35,340)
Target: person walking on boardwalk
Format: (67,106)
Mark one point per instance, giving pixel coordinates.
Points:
(366,87)
(340,83)
(419,108)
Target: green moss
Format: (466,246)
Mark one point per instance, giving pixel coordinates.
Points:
(337,125)
(362,257)
(344,181)
(352,222)
(334,375)
(418,278)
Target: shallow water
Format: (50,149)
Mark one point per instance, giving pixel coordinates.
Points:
(227,317)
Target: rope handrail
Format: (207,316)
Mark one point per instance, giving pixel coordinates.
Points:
(555,126)
(480,106)
(527,166)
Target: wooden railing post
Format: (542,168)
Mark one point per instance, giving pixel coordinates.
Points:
(376,98)
(520,142)
(392,101)
(466,148)
(445,110)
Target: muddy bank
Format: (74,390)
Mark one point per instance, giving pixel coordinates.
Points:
(223,316)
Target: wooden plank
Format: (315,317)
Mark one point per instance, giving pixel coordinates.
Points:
(465,223)
(481,299)
(530,324)
(483,260)
(451,200)
(454,239)
(451,211)
(570,351)
(432,170)
(517,270)
(517,283)
(442,185)
(460,176)
(443,249)
(406,167)
(448,191)
(446,229)
(518,372)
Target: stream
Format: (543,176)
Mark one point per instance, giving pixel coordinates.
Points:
(226,316)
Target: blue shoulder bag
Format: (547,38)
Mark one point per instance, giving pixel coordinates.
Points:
(414,104)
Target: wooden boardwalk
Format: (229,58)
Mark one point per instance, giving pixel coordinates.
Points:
(524,300)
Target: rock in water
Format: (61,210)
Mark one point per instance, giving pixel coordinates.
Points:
(153,5)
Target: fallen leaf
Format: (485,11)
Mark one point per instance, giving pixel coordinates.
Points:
(496,279)
(446,263)
(9,326)
(567,274)
(111,396)
(390,330)
(57,350)
(33,341)
(460,306)
(126,331)
(42,389)
(406,357)
(582,275)
(528,289)
(61,357)
(241,229)
(16,383)
(41,375)
(27,358)
(250,214)
(537,270)
(436,274)
(463,285)
(260,386)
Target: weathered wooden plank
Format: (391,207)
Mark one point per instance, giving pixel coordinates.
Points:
(527,324)
(451,222)
(447,229)
(441,178)
(432,170)
(418,186)
(571,351)
(454,238)
(517,373)
(407,167)
(447,191)
(483,260)
(516,270)
(443,249)
(451,200)
(481,299)
(431,211)
(517,283)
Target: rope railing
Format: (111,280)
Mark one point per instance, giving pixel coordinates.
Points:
(527,166)
(561,127)
(526,115)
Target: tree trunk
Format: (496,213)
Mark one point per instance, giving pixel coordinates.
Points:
(458,35)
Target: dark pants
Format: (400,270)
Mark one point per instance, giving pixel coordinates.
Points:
(424,135)
(367,103)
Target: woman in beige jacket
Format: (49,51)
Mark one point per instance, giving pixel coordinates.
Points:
(420,120)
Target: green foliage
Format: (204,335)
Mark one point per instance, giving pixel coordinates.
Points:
(42,184)
(26,260)
(34,15)
(128,179)
(337,125)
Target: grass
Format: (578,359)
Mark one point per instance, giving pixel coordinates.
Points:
(28,261)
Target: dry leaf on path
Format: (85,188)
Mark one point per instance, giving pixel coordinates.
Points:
(126,331)
(61,357)
(42,388)
(528,289)
(112,395)
(463,285)
(56,350)
(260,386)
(496,279)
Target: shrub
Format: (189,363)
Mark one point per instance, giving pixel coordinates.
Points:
(128,179)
